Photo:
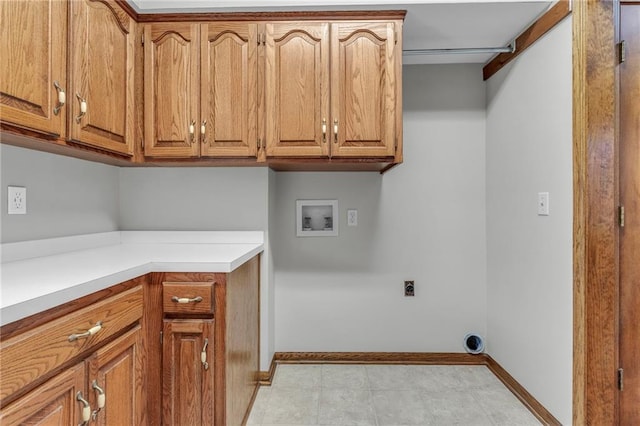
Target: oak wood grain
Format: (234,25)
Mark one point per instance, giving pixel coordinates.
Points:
(187,386)
(41,350)
(228,89)
(274,16)
(190,290)
(595,231)
(363,89)
(118,370)
(152,327)
(297,89)
(53,403)
(102,47)
(33,39)
(171,89)
(540,27)
(629,163)
(242,351)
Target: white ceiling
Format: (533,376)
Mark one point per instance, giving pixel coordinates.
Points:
(429,24)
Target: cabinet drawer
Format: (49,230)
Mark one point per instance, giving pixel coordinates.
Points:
(30,355)
(187,298)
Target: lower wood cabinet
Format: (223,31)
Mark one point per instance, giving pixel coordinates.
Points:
(115,375)
(53,403)
(68,372)
(187,372)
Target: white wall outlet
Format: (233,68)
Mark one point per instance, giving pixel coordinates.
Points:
(543,204)
(17,200)
(352,217)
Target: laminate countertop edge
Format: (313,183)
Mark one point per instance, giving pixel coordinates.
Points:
(33,285)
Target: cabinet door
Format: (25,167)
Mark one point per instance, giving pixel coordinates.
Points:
(363,89)
(33,37)
(297,89)
(53,403)
(102,75)
(187,383)
(229,86)
(116,371)
(171,84)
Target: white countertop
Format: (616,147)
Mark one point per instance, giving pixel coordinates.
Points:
(39,275)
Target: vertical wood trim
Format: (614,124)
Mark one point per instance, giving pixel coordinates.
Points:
(539,28)
(595,231)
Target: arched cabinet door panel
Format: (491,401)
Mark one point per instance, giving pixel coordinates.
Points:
(171,86)
(101,96)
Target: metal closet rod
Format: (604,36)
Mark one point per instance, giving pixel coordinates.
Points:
(462,50)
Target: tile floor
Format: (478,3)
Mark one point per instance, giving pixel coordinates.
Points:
(393,395)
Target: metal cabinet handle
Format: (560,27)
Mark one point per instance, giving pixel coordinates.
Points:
(83,107)
(192,130)
(335,131)
(101,399)
(324,130)
(203,128)
(90,332)
(203,355)
(177,299)
(62,97)
(86,409)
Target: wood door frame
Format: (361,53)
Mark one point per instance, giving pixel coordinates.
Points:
(595,230)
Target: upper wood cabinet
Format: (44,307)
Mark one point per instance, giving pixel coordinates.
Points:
(342,105)
(297,89)
(201,89)
(101,83)
(33,72)
(363,89)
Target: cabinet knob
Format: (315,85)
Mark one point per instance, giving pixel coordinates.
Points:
(62,98)
(83,107)
(90,332)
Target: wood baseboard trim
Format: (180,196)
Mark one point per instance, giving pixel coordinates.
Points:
(521,393)
(426,358)
(415,358)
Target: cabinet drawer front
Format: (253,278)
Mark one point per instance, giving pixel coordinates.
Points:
(187,298)
(39,351)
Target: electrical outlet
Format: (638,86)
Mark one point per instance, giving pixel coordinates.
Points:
(409,288)
(17,200)
(352,217)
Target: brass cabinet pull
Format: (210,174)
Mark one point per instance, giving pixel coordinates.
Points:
(177,299)
(101,399)
(62,98)
(192,130)
(86,409)
(203,355)
(335,131)
(203,128)
(90,332)
(83,107)
(324,130)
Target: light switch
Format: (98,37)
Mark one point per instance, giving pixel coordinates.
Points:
(543,204)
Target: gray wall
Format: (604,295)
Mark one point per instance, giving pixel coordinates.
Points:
(194,198)
(529,267)
(423,220)
(65,196)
